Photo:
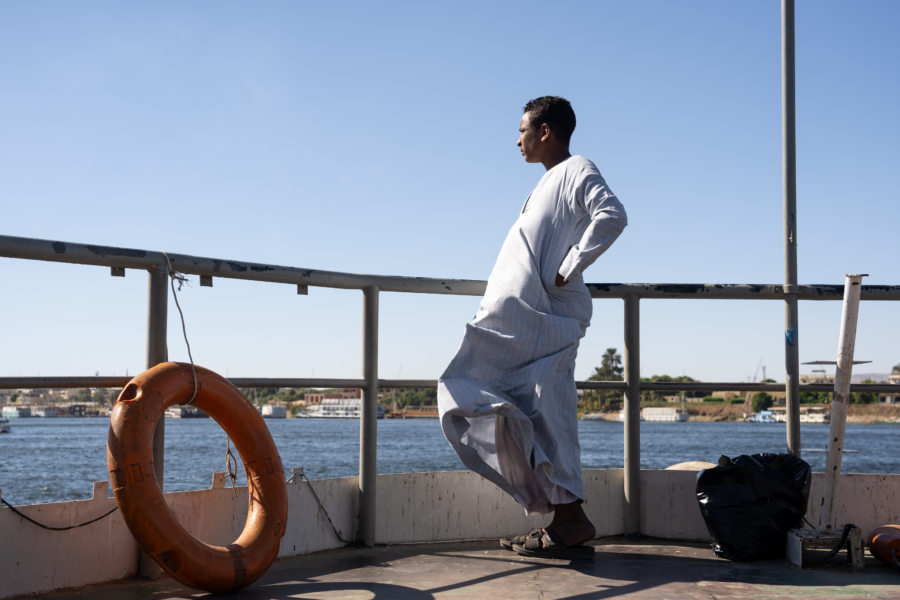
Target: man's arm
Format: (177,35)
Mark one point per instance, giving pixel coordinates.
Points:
(608,219)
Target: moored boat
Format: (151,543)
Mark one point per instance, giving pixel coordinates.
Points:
(185,412)
(593,417)
(621,417)
(763,416)
(16,412)
(274,411)
(664,414)
(339,408)
(814,414)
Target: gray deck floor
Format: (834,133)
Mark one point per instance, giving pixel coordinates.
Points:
(622,568)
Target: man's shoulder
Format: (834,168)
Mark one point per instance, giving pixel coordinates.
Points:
(578,163)
(580,169)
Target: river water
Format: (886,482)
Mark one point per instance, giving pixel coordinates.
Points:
(56,459)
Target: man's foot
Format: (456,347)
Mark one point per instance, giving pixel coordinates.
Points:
(570,525)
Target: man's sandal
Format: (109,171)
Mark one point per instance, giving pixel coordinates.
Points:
(518,540)
(549,545)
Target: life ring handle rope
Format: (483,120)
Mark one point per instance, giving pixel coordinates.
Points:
(140,497)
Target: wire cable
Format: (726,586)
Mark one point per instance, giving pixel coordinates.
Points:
(182,279)
(41,525)
(337,534)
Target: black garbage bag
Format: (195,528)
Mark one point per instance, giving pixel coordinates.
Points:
(750,502)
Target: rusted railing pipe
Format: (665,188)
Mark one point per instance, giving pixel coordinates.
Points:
(735,291)
(130,258)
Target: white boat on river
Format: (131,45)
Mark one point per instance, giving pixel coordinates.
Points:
(339,408)
(664,414)
(660,414)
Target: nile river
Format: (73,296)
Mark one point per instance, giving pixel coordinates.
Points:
(48,460)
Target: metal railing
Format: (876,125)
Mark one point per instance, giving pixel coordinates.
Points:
(157,266)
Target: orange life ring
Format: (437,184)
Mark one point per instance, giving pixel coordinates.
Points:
(884,544)
(129,453)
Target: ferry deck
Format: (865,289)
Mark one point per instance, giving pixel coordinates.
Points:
(622,568)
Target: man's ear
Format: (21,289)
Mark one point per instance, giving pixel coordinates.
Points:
(545,132)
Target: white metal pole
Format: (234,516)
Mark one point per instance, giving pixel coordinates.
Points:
(847,341)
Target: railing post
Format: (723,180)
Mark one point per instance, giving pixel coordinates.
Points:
(368,422)
(632,483)
(789,184)
(157,352)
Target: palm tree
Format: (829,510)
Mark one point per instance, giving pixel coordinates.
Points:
(610,368)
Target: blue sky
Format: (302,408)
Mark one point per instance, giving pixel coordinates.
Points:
(380,138)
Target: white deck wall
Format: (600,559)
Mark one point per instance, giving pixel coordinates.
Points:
(418,507)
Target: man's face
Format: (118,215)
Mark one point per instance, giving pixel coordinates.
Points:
(530,140)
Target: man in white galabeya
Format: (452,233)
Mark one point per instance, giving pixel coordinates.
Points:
(507,401)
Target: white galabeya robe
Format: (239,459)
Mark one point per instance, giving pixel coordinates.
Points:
(507,401)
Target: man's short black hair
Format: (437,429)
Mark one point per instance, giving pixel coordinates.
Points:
(556,112)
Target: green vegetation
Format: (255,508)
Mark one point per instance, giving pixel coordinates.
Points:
(407,398)
(610,369)
(762,401)
(263,396)
(291,396)
(656,396)
(863,397)
(825,397)
(815,397)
